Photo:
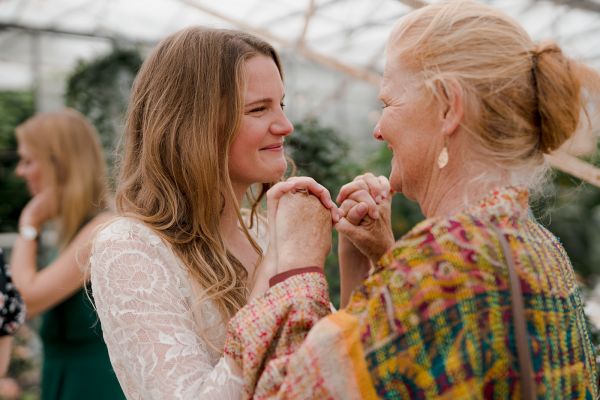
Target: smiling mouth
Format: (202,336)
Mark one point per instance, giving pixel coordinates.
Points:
(278,146)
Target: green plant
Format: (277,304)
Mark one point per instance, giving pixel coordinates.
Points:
(100,90)
(15,107)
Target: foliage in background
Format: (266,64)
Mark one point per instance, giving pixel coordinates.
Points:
(320,152)
(572,212)
(100,90)
(15,107)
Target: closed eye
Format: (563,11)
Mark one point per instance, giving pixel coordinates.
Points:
(258,109)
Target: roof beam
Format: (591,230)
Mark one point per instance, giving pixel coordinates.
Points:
(282,18)
(575,166)
(586,5)
(414,3)
(57,31)
(310,11)
(351,30)
(330,62)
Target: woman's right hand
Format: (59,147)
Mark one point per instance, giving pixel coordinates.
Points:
(366,206)
(41,208)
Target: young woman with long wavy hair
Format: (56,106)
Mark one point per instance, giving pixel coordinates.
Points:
(205,123)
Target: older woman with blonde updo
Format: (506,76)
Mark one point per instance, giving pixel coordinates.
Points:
(477,301)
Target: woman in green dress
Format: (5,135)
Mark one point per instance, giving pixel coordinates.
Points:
(61,161)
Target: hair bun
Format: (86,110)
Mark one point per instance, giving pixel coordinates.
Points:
(558,91)
(546,48)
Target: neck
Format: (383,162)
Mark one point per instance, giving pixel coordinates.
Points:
(229,217)
(455,192)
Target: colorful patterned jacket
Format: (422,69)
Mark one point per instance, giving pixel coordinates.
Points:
(433,321)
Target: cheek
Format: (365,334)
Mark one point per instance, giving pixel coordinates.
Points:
(36,174)
(250,136)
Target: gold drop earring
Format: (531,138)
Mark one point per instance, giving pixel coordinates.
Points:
(443,158)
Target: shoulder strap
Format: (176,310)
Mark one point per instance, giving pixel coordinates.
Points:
(528,386)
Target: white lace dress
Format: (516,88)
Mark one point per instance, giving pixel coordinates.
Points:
(144,299)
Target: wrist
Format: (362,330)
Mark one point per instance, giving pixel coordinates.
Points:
(29,220)
(292,264)
(28,232)
(282,276)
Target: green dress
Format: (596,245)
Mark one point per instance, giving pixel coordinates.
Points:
(76,364)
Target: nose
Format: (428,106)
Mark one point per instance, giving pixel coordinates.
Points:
(377,132)
(19,171)
(282,125)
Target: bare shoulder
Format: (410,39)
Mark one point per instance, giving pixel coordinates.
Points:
(103,218)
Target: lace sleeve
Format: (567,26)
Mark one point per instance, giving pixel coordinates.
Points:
(143,300)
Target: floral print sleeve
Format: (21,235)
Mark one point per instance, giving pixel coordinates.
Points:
(12,308)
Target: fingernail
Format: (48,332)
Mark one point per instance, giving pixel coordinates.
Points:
(378,199)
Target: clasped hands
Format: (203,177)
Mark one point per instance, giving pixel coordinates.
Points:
(301,214)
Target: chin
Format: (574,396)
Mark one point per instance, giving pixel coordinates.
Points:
(275,177)
(395,182)
(277,171)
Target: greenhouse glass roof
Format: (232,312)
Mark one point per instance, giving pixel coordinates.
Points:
(346,35)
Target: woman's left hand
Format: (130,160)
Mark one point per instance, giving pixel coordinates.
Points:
(301,184)
(366,206)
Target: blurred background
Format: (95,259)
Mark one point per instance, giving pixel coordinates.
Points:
(85,54)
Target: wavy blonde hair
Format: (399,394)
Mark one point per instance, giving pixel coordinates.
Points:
(184,112)
(69,149)
(522,99)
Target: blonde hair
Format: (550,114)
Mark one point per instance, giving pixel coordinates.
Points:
(184,112)
(522,100)
(69,149)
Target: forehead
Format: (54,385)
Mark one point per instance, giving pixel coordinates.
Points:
(397,78)
(262,76)
(23,148)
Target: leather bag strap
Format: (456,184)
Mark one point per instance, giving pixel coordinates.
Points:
(528,385)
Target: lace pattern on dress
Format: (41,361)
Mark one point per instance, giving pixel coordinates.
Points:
(144,300)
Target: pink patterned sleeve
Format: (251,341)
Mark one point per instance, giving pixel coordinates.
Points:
(274,326)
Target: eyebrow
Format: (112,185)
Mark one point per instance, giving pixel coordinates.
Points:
(263,100)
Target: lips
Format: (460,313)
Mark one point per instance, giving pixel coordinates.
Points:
(274,146)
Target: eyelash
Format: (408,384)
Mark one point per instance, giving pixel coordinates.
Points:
(262,108)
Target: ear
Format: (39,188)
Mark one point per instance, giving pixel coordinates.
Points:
(452,109)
